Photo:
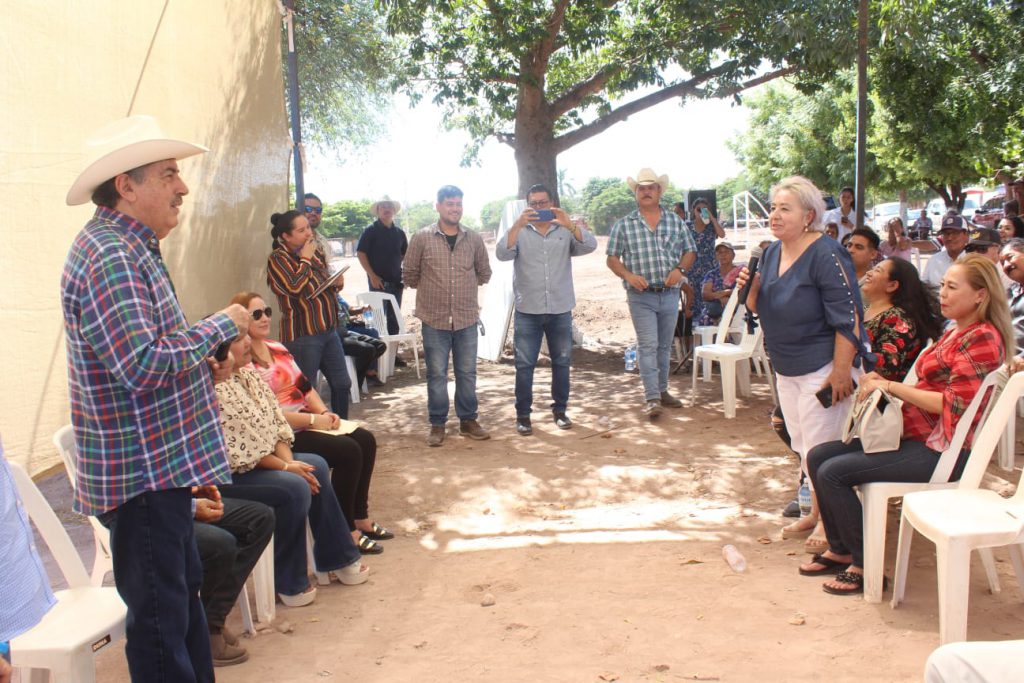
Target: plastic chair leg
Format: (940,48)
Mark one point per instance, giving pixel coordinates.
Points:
(954,577)
(263,583)
(743,376)
(693,379)
(729,388)
(243,606)
(1017,560)
(989,562)
(416,358)
(899,583)
(1007,446)
(875,510)
(322,578)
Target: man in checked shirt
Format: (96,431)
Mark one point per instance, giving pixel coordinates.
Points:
(142,401)
(446,264)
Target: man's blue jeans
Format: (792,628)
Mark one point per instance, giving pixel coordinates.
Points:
(530,328)
(158,573)
(654,317)
(438,345)
(324,352)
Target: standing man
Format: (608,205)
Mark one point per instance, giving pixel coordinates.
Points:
(843,215)
(381,248)
(651,250)
(541,243)
(923,226)
(142,401)
(314,211)
(446,264)
(954,240)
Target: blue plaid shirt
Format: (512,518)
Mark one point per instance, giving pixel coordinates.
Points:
(650,254)
(142,400)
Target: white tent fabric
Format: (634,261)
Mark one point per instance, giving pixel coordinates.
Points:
(496,313)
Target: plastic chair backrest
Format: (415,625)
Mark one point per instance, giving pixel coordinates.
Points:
(911,376)
(375,300)
(994,381)
(989,434)
(64,440)
(727,315)
(50,528)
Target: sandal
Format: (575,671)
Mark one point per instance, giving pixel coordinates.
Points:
(352,575)
(367,546)
(815,544)
(302,599)
(829,566)
(378,533)
(855,580)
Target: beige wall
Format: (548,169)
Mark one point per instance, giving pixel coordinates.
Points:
(211,72)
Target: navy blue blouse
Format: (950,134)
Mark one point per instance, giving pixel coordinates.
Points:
(802,310)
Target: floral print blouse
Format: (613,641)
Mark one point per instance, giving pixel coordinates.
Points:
(893,337)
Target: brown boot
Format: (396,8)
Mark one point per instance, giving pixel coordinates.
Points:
(473,430)
(225,654)
(436,436)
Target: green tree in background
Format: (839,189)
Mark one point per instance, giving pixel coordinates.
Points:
(490,215)
(543,76)
(346,219)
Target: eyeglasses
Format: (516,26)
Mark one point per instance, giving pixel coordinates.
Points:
(314,209)
(540,204)
(258,313)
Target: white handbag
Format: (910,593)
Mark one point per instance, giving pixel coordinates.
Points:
(877,421)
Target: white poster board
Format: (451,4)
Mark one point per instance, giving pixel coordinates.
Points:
(496,312)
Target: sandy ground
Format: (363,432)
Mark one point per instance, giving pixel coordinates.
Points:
(601,547)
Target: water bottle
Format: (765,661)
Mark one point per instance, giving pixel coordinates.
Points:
(368,318)
(803,497)
(631,358)
(734,558)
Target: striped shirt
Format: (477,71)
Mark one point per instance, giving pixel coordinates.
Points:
(142,399)
(446,279)
(651,254)
(294,280)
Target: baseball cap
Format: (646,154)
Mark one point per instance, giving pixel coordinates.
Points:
(984,237)
(953,222)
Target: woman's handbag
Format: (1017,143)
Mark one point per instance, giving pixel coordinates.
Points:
(877,421)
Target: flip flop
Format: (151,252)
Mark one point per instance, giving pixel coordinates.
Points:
(378,533)
(855,580)
(829,566)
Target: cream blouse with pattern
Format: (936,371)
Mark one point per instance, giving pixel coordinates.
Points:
(252,419)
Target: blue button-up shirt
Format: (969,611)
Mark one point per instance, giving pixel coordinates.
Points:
(142,400)
(542,275)
(651,254)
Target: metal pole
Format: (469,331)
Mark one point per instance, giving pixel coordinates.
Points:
(862,107)
(293,102)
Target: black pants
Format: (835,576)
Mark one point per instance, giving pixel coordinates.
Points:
(229,549)
(351,458)
(363,349)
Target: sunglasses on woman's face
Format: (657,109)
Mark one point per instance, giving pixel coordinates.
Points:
(258,313)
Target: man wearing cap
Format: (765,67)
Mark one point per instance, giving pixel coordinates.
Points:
(541,247)
(954,239)
(651,250)
(381,248)
(142,401)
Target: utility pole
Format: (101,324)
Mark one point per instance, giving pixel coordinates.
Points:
(862,107)
(293,102)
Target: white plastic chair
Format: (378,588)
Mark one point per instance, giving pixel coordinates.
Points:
(875,495)
(322,578)
(85,619)
(262,581)
(711,334)
(734,359)
(964,519)
(64,440)
(376,300)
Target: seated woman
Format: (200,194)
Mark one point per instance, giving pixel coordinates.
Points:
(265,469)
(896,243)
(350,456)
(902,316)
(718,283)
(949,373)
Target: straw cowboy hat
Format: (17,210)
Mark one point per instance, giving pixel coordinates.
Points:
(375,207)
(121,146)
(647,176)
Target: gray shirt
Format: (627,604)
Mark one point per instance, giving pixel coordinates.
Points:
(1016,300)
(542,279)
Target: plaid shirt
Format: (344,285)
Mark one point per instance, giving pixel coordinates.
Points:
(650,254)
(445,279)
(955,366)
(142,400)
(294,280)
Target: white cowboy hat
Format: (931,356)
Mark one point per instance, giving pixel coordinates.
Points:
(647,176)
(121,146)
(375,207)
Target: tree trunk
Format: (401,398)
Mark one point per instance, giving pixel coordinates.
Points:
(534,141)
(537,164)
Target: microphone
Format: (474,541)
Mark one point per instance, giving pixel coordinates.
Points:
(755,257)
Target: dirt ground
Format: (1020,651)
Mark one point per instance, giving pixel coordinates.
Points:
(600,546)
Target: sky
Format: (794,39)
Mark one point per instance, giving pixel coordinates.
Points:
(416,155)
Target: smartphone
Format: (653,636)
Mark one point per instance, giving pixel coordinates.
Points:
(705,215)
(545,215)
(824,395)
(221,354)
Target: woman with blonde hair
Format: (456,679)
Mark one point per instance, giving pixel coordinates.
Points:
(949,374)
(807,299)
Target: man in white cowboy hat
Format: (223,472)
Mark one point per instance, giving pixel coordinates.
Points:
(380,250)
(142,401)
(651,250)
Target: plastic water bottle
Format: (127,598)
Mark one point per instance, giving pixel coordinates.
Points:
(734,558)
(368,318)
(803,497)
(631,358)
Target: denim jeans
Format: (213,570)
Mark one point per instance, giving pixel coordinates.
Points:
(438,345)
(654,317)
(292,500)
(229,549)
(530,327)
(836,467)
(396,289)
(158,573)
(324,352)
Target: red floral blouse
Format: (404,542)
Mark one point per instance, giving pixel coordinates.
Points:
(894,339)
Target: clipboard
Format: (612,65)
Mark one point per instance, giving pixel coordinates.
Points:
(328,282)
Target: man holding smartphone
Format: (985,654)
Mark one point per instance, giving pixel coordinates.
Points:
(541,244)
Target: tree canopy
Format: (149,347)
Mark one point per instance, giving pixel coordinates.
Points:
(543,76)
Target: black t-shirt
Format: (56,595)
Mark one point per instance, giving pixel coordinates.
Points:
(384,247)
(451,240)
